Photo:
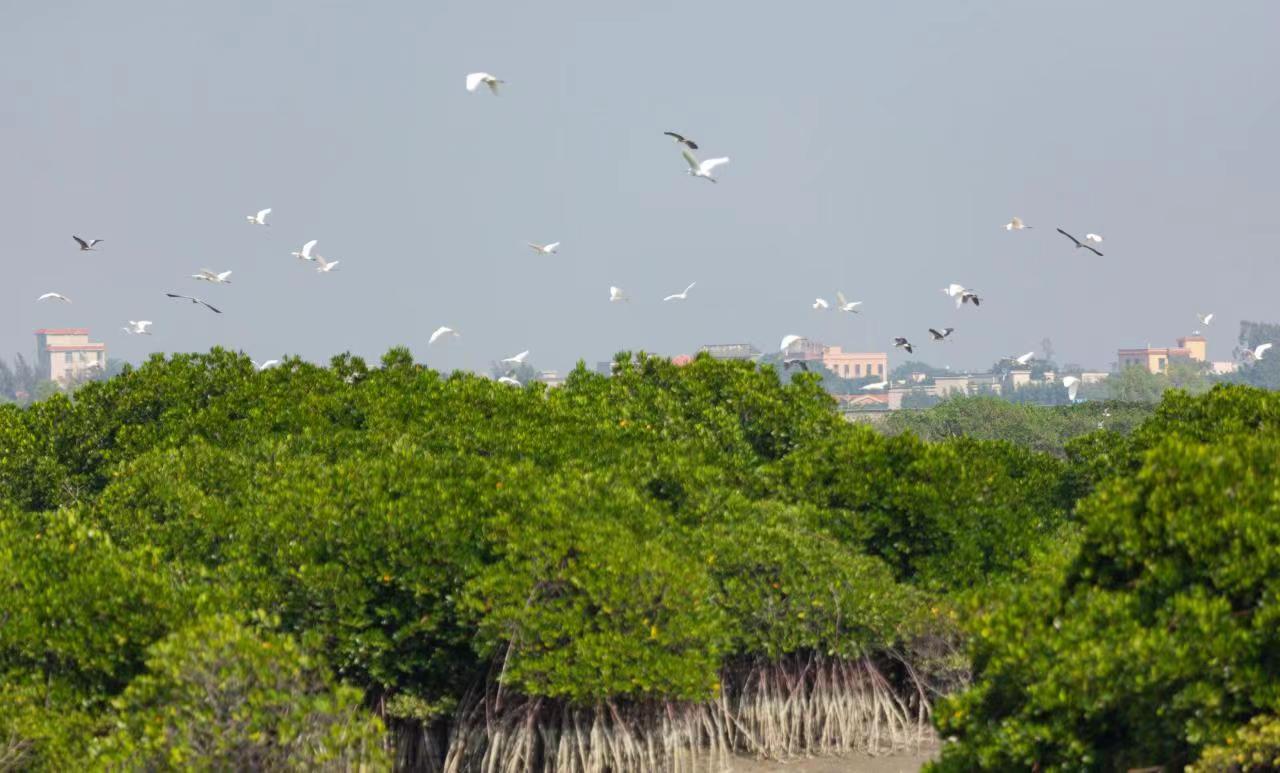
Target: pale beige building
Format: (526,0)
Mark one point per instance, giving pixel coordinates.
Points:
(66,353)
(1156,360)
(854,365)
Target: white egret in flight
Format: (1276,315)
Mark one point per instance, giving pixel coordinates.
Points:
(680,296)
(84,246)
(1015,224)
(260,218)
(702,168)
(305,254)
(442,331)
(1256,352)
(476,78)
(846,305)
(544,249)
(54,297)
(206,275)
(616,295)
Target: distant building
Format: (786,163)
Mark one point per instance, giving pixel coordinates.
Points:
(854,364)
(1223,367)
(67,353)
(731,351)
(549,377)
(680,360)
(1093,377)
(604,367)
(1156,360)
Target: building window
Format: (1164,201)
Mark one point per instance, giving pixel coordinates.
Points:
(880,369)
(66,358)
(1162,363)
(857,369)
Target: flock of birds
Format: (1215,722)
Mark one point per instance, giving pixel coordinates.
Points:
(961,295)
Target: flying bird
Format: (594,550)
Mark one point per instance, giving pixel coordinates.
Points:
(260,218)
(1073,386)
(1256,352)
(955,291)
(195,300)
(476,78)
(680,296)
(84,246)
(54,297)
(820,303)
(788,340)
(544,249)
(1205,319)
(616,295)
(902,343)
(795,362)
(206,275)
(305,254)
(702,168)
(683,140)
(264,365)
(846,305)
(509,381)
(969,296)
(442,331)
(1015,224)
(138,327)
(875,386)
(1079,244)
(517,359)
(1023,359)
(325,266)
(939,335)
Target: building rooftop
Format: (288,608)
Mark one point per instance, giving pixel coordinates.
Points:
(63,331)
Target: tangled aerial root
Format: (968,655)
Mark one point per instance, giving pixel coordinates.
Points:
(799,706)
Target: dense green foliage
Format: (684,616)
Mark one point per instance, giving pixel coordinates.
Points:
(1157,632)
(217,697)
(1029,426)
(316,543)
(620,538)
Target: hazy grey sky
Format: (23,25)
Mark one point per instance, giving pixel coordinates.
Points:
(877,148)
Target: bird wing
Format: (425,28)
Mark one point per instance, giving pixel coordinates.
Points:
(209,306)
(184,297)
(840,298)
(788,340)
(551,247)
(937,333)
(1091,248)
(83,244)
(262,214)
(689,159)
(475,79)
(142,324)
(1261,348)
(1207,318)
(712,163)
(1069,236)
(306,248)
(222,277)
(679,138)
